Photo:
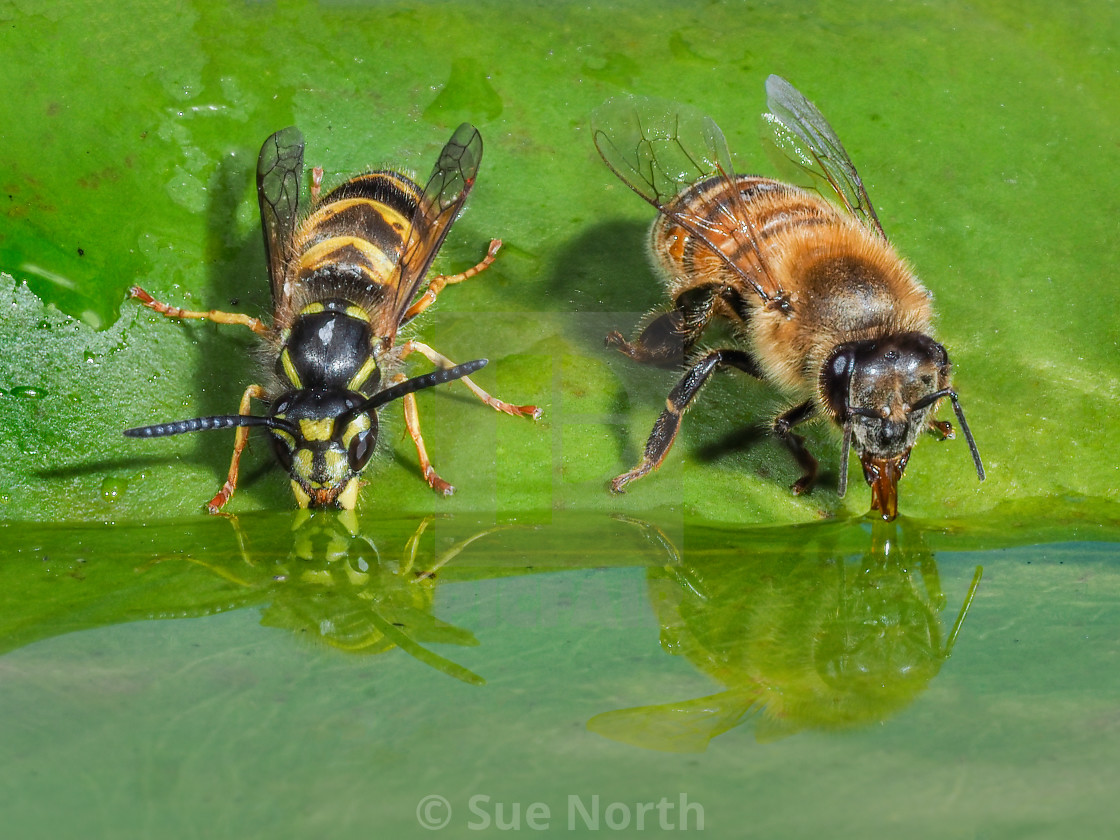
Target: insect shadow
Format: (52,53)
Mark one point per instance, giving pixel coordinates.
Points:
(604,276)
(234,275)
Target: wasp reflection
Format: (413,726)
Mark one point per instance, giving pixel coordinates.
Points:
(335,586)
(831,637)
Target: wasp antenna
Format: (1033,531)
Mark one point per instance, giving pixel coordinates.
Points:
(202,424)
(967,435)
(419,383)
(845,447)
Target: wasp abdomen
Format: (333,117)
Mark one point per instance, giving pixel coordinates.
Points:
(359,229)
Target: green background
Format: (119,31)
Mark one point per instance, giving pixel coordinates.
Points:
(985,134)
(167,673)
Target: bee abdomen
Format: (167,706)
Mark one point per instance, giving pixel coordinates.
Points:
(771,210)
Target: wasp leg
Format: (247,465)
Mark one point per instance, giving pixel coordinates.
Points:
(669,421)
(412,422)
(783,428)
(222,496)
(215,315)
(668,337)
(442,361)
(437,284)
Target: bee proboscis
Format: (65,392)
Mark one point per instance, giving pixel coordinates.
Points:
(821,304)
(344,280)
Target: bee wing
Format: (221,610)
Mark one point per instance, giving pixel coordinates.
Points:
(279,171)
(439,205)
(659,149)
(805,139)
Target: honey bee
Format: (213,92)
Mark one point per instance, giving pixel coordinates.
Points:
(344,280)
(820,303)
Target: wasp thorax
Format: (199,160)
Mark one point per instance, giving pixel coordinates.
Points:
(333,444)
(330,345)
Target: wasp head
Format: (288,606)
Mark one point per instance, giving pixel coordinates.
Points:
(324,437)
(882,392)
(324,444)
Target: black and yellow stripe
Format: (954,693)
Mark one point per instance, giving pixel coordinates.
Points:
(358,231)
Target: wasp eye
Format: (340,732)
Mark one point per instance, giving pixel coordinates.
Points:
(361,447)
(283,453)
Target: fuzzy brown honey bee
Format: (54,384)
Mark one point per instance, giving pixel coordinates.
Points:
(820,303)
(345,278)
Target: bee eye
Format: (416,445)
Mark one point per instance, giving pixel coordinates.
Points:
(361,447)
(283,453)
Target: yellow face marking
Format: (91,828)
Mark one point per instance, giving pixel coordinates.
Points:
(283,435)
(364,373)
(301,462)
(316,429)
(336,463)
(348,498)
(358,424)
(302,499)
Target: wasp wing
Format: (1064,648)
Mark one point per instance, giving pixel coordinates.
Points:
(439,205)
(805,139)
(660,149)
(279,171)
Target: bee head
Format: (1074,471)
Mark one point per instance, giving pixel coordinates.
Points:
(881,392)
(324,444)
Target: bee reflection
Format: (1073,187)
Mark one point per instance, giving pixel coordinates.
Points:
(834,637)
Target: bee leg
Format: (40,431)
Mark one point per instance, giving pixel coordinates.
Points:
(667,338)
(783,428)
(412,422)
(239,441)
(661,343)
(669,421)
(215,315)
(438,283)
(943,428)
(442,361)
(316,184)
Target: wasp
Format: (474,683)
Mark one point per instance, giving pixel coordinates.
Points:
(344,278)
(819,303)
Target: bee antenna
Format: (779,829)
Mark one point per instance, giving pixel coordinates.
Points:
(419,383)
(845,447)
(202,424)
(929,399)
(967,435)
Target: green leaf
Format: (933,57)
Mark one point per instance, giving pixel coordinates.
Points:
(984,143)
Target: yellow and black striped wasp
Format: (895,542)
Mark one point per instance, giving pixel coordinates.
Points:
(344,280)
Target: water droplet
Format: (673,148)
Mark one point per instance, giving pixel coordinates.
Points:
(28,392)
(113,488)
